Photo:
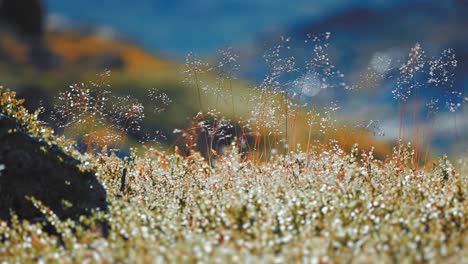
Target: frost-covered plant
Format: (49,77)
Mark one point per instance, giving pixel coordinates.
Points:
(326,204)
(319,70)
(88,113)
(160,100)
(227,69)
(442,75)
(408,81)
(194,69)
(330,205)
(127,115)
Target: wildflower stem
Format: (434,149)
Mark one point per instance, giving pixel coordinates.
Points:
(233,108)
(198,90)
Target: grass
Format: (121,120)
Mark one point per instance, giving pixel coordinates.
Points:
(288,185)
(315,206)
(327,206)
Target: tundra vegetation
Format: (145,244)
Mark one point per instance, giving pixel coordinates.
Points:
(275,183)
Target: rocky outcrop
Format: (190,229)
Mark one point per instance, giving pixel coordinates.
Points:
(29,166)
(23,22)
(23,16)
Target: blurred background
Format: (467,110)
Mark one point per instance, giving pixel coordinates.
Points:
(45,46)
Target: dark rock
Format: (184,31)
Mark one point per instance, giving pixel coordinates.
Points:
(25,19)
(29,166)
(23,16)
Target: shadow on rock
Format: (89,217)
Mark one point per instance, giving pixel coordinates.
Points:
(29,166)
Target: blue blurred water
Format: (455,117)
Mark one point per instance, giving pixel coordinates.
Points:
(174,27)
